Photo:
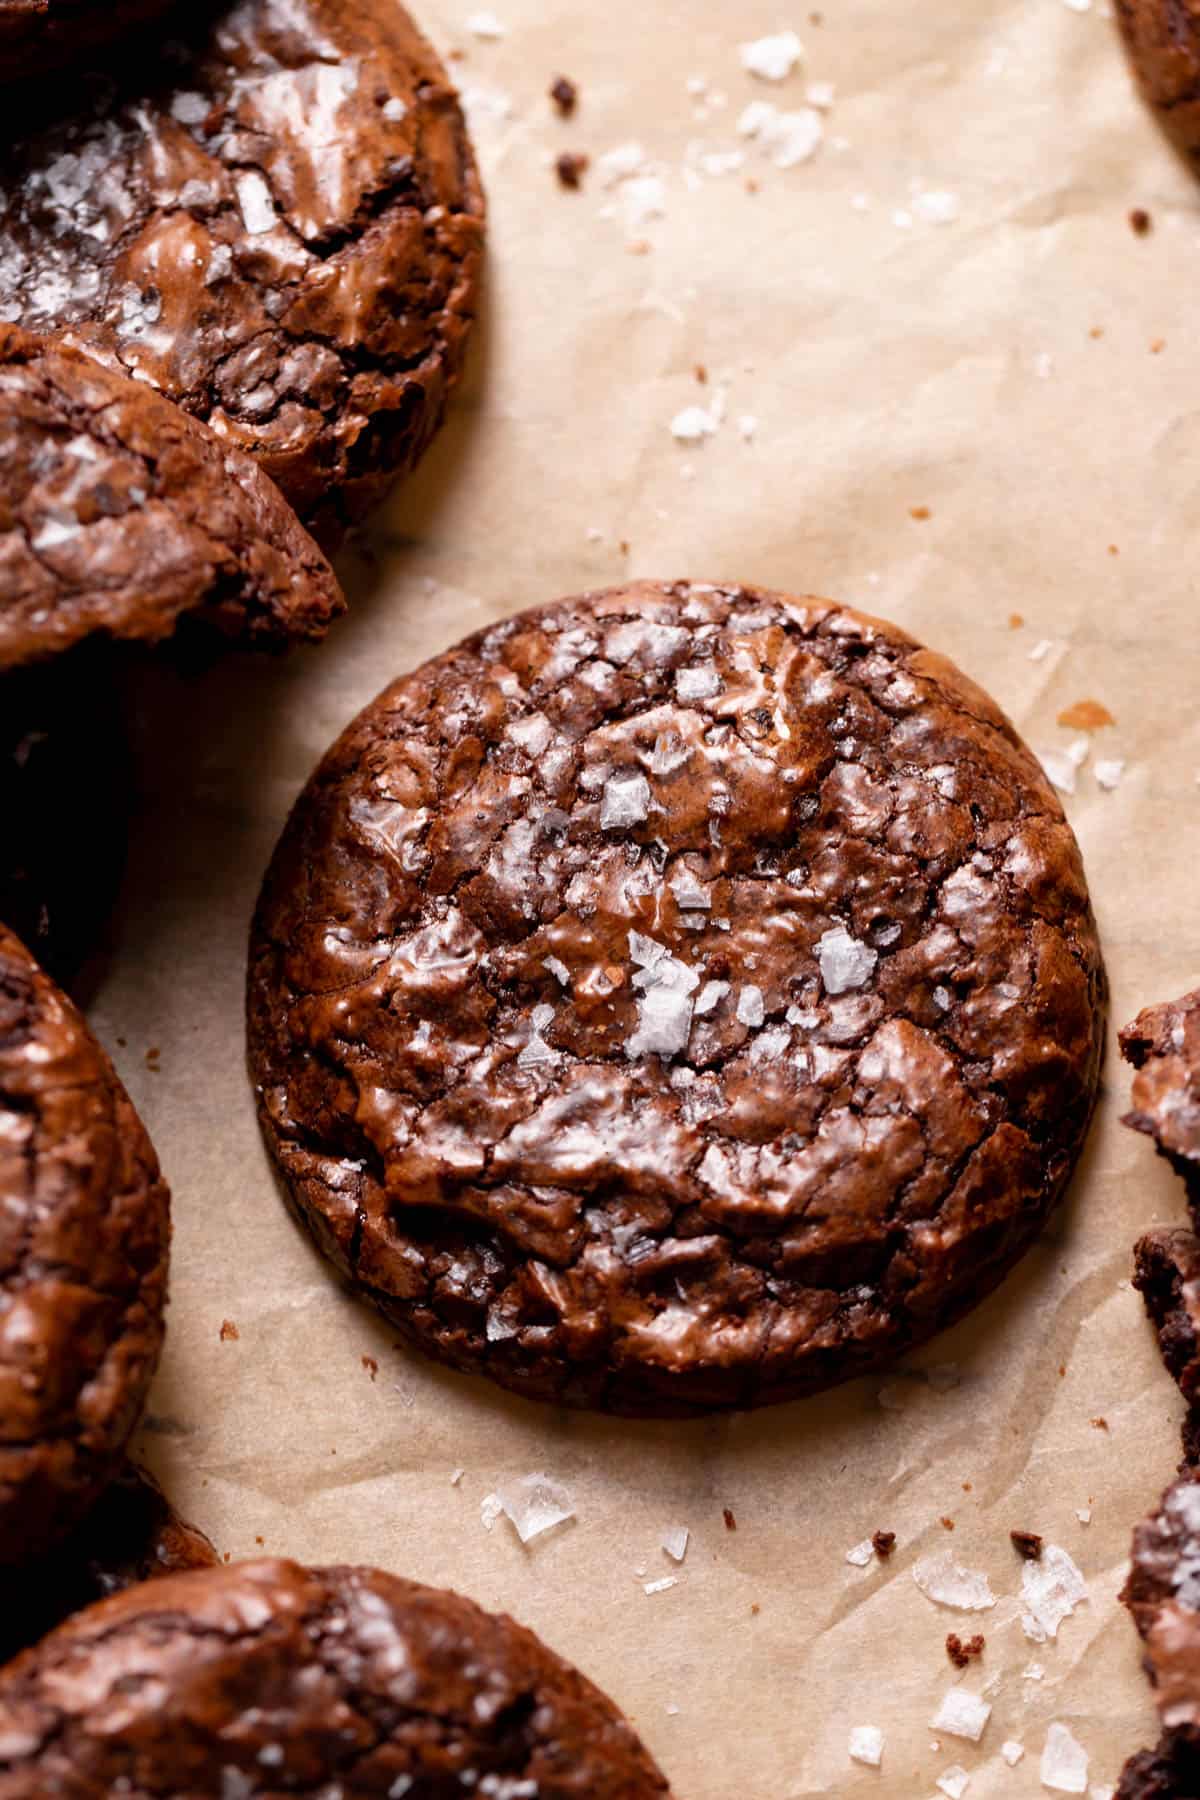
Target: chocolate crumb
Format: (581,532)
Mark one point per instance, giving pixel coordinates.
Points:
(229,1332)
(1140,221)
(919,512)
(371,1366)
(948,1524)
(565,95)
(1015,621)
(701,374)
(570,168)
(730,1521)
(1100,1424)
(259,1540)
(961,1653)
(1086,715)
(883,1543)
(755,1609)
(1157,346)
(1027,1544)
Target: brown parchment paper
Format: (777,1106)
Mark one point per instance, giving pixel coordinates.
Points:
(1027,372)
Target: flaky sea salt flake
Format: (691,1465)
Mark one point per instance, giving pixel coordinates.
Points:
(937,206)
(1060,771)
(693,425)
(962,1715)
(1064,1763)
(485,25)
(947,1583)
(1012,1752)
(953,1781)
(861,1554)
(624,801)
(535,1504)
(1051,1589)
(750,1006)
(675,1542)
(772,58)
(664,1024)
(661,1585)
(866,1745)
(1108,774)
(845,963)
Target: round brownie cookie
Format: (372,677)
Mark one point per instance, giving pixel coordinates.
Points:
(64,785)
(277,221)
(678,997)
(1171,1772)
(1163,39)
(83,1247)
(1163,1594)
(37,36)
(1163,1044)
(132,1534)
(120,515)
(265,1678)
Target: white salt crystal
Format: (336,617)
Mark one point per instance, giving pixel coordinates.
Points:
(750,1005)
(625,800)
(456,1476)
(1084,1514)
(620,163)
(937,206)
(1051,1589)
(1064,1762)
(845,963)
(953,1781)
(485,25)
(1060,769)
(1041,650)
(902,219)
(558,969)
(490,1509)
(535,1504)
(675,1541)
(1101,1791)
(962,1715)
(795,137)
(747,427)
(756,118)
(394,110)
(820,95)
(1108,774)
(1043,365)
(660,1586)
(772,58)
(861,1554)
(866,1745)
(671,1708)
(1032,1672)
(947,1583)
(254,198)
(710,994)
(532,733)
(664,1024)
(691,895)
(693,425)
(1079,6)
(1079,749)
(697,684)
(643,198)
(1012,1752)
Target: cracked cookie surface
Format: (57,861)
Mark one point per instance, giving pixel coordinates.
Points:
(1163,39)
(275,220)
(120,516)
(264,1678)
(677,997)
(83,1262)
(1163,1595)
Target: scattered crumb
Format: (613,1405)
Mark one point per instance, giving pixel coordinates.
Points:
(571,167)
(152,1056)
(1140,222)
(883,1543)
(1027,1544)
(1097,331)
(755,1609)
(866,1745)
(1113,550)
(701,373)
(371,1366)
(961,1652)
(730,1521)
(1086,715)
(947,1524)
(1015,621)
(1099,1424)
(1157,346)
(565,95)
(967,1486)
(229,1332)
(259,1540)
(919,512)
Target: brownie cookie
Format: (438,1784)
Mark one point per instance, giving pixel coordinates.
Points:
(132,1534)
(1167,1275)
(1163,39)
(1163,1044)
(1163,1595)
(1172,1772)
(266,1678)
(120,515)
(83,1247)
(277,221)
(37,36)
(677,997)
(64,782)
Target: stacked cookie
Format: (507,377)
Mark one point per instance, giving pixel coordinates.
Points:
(1163,1591)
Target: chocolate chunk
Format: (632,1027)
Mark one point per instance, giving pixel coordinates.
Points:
(883,1543)
(962,1652)
(120,515)
(278,224)
(264,1678)
(678,997)
(1027,1544)
(565,95)
(83,1247)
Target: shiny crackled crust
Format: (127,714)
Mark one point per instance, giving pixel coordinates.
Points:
(264,1677)
(38,36)
(278,223)
(83,1261)
(120,515)
(132,1534)
(818,1180)
(1163,1595)
(1163,39)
